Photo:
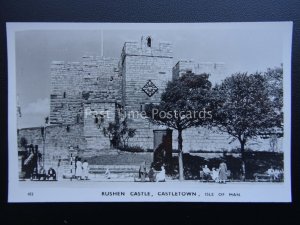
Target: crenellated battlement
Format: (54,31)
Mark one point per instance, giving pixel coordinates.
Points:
(185,66)
(148,46)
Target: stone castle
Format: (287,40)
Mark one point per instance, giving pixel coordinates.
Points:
(99,84)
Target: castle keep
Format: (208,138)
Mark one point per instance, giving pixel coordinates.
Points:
(85,96)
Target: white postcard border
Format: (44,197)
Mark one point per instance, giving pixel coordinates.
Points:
(280,192)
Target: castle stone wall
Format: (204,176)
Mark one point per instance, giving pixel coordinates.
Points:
(140,64)
(97,115)
(58,140)
(199,138)
(101,80)
(98,84)
(75,83)
(184,66)
(65,98)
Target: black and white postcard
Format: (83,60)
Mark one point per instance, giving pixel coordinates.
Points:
(149,112)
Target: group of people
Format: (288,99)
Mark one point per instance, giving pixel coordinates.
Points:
(275,174)
(218,175)
(154,176)
(43,175)
(81,170)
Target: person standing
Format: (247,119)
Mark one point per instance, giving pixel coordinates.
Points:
(161,176)
(243,172)
(85,167)
(151,175)
(78,172)
(142,171)
(107,174)
(206,173)
(215,174)
(223,172)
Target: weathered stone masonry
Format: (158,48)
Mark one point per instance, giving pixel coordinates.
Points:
(96,85)
(58,140)
(141,62)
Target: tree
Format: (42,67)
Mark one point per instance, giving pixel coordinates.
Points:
(125,132)
(111,132)
(119,133)
(274,86)
(183,104)
(243,108)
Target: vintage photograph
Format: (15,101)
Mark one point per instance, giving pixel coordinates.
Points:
(149,112)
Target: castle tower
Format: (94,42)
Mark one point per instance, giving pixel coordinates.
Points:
(65,98)
(146,67)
